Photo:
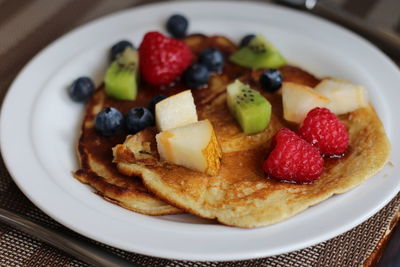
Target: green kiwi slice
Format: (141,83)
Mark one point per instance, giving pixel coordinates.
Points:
(258,54)
(250,109)
(121,76)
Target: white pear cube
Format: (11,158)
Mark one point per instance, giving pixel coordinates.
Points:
(345,96)
(299,99)
(193,146)
(175,111)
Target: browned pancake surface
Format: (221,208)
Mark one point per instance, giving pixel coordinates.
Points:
(98,171)
(95,151)
(241,195)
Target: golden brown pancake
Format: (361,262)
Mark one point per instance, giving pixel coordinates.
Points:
(98,171)
(95,151)
(241,194)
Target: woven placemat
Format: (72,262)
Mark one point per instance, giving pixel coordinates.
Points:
(26,27)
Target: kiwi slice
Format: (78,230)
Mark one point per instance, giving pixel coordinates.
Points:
(258,54)
(121,76)
(250,109)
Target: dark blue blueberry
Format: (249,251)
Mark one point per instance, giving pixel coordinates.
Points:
(138,119)
(213,59)
(196,76)
(81,89)
(246,40)
(109,121)
(177,25)
(154,101)
(119,48)
(271,80)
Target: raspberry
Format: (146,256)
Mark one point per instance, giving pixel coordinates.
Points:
(325,131)
(293,159)
(162,59)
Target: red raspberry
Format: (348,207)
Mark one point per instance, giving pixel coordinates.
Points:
(162,59)
(293,159)
(325,131)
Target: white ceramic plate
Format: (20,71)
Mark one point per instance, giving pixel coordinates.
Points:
(40,127)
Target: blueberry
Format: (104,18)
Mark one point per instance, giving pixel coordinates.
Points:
(196,76)
(109,121)
(119,48)
(212,59)
(246,39)
(138,119)
(271,80)
(177,25)
(81,89)
(154,101)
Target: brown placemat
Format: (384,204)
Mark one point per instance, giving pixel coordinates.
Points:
(28,26)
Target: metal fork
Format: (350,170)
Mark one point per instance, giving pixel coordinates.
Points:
(82,250)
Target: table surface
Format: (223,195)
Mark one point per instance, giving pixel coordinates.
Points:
(27,26)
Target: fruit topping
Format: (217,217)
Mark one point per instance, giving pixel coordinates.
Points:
(212,59)
(118,48)
(196,76)
(109,121)
(163,59)
(324,130)
(177,25)
(293,159)
(193,146)
(271,80)
(246,40)
(154,101)
(250,109)
(138,119)
(345,96)
(257,54)
(175,111)
(121,76)
(298,100)
(81,89)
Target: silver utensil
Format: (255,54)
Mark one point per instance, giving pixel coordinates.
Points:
(80,249)
(386,39)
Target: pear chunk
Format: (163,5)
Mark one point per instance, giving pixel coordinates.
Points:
(345,96)
(193,146)
(175,111)
(299,99)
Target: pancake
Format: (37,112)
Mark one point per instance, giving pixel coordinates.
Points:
(229,134)
(98,171)
(95,151)
(240,194)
